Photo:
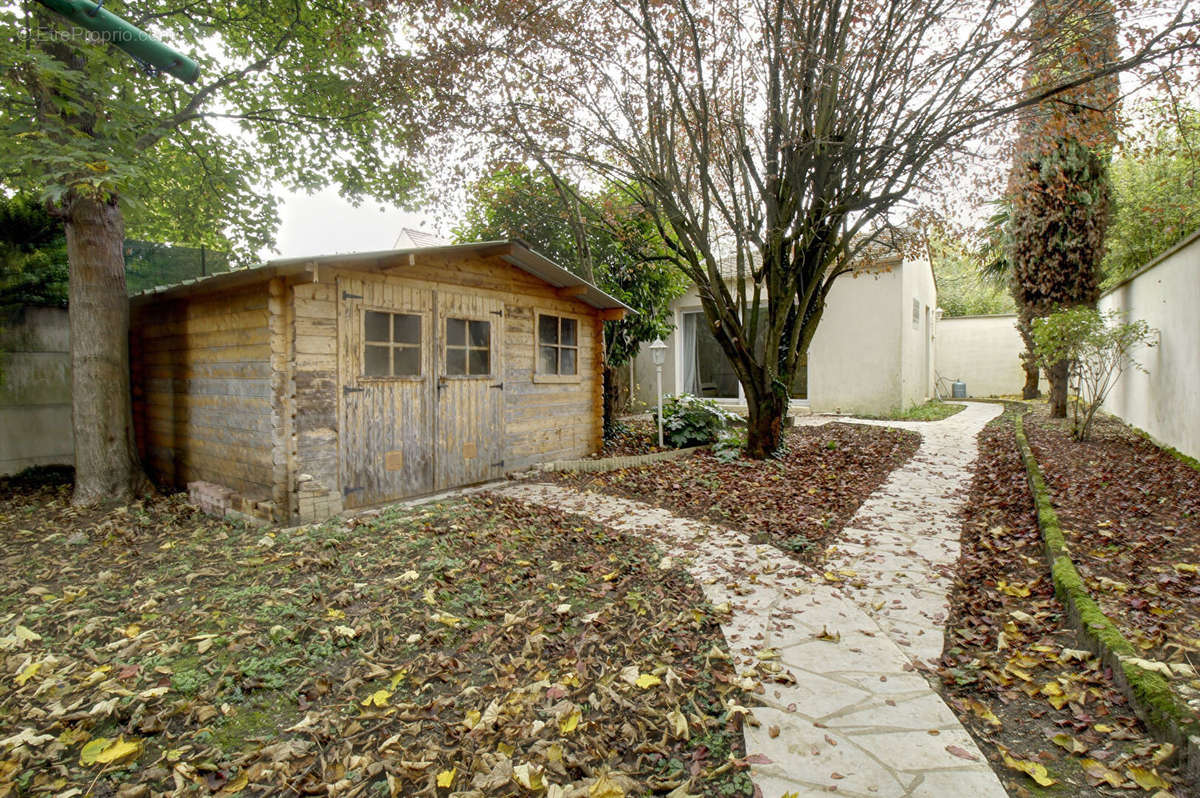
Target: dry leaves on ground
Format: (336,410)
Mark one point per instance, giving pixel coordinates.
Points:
(477,648)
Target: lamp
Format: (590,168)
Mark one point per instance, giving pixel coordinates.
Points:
(658,351)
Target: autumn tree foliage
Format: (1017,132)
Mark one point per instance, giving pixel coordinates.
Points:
(1059,191)
(773,143)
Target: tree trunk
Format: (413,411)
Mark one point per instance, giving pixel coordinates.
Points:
(106,463)
(1057,376)
(611,391)
(1028,360)
(764,427)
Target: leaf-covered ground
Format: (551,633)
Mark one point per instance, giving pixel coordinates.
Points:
(632,436)
(797,501)
(1131,515)
(475,648)
(1046,713)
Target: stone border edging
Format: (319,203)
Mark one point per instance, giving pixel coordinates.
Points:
(617,463)
(1149,693)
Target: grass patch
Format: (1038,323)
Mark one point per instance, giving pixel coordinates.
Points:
(933,410)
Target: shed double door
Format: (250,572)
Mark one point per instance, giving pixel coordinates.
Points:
(421,394)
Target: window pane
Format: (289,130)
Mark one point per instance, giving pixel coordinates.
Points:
(548,361)
(407,328)
(548,329)
(566,361)
(375,361)
(480,361)
(456,361)
(375,326)
(407,361)
(481,334)
(568,332)
(456,332)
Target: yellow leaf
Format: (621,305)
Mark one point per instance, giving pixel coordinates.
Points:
(1147,779)
(132,630)
(237,785)
(1187,567)
(103,751)
(1103,728)
(26,635)
(604,787)
(982,711)
(88,754)
(1035,771)
(27,673)
(379,698)
(1098,771)
(446,777)
(397,677)
(679,724)
(528,777)
(647,680)
(472,718)
(345,631)
(1019,590)
(334,615)
(1068,743)
(570,722)
(1023,675)
(429,598)
(446,618)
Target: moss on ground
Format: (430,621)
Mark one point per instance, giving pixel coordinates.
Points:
(1162,710)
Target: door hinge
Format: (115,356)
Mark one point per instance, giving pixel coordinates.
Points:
(348,491)
(346,389)
(498,465)
(498,313)
(499,385)
(348,295)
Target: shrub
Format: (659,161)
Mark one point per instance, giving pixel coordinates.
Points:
(1098,349)
(729,446)
(691,421)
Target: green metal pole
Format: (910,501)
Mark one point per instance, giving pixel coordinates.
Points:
(135,41)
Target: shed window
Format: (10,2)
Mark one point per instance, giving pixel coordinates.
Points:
(558,345)
(468,347)
(391,344)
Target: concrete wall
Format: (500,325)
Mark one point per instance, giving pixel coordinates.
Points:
(982,351)
(35,389)
(1166,295)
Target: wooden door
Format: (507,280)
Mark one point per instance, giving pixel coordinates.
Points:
(470,391)
(386,368)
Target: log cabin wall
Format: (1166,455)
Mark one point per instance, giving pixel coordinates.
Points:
(204,392)
(544,419)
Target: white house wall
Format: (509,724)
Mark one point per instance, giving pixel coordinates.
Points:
(1164,401)
(853,361)
(866,357)
(919,305)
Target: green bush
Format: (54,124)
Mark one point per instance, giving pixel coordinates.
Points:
(691,421)
(728,446)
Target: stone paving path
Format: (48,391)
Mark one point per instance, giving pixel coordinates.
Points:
(844,709)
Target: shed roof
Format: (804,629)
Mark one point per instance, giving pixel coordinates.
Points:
(516,252)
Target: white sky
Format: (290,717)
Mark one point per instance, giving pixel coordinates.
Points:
(325,224)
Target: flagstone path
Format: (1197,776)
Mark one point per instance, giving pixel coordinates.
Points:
(845,709)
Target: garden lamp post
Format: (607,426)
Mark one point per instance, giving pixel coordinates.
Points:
(658,351)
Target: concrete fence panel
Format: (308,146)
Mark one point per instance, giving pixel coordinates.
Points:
(982,351)
(1165,402)
(35,389)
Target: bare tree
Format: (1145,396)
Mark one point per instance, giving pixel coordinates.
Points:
(774,141)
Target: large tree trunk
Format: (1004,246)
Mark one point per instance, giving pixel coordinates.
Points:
(106,464)
(1028,360)
(1057,375)
(764,426)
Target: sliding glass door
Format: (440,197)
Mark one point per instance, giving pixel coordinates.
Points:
(704,369)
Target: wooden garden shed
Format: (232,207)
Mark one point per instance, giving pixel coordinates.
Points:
(307,386)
